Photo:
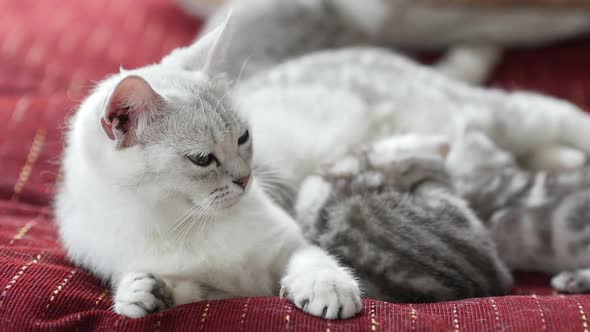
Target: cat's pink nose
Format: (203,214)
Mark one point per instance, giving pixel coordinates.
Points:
(243,182)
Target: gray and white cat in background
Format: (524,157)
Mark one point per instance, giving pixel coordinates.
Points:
(390,211)
(269,32)
(158,196)
(313,110)
(540,221)
(351,97)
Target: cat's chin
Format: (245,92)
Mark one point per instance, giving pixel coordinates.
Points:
(220,204)
(228,203)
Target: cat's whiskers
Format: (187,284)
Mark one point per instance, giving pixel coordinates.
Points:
(273,177)
(198,216)
(181,220)
(184,220)
(215,109)
(201,218)
(201,223)
(202,104)
(277,188)
(242,71)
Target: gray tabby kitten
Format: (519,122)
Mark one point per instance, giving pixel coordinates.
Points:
(540,221)
(390,212)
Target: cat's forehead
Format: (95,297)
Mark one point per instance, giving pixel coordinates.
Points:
(207,122)
(197,114)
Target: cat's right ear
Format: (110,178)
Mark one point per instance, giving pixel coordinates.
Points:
(207,54)
(131,106)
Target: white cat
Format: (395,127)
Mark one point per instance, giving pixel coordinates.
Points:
(159,198)
(331,94)
(313,109)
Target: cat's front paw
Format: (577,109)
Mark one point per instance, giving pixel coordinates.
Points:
(326,293)
(575,282)
(139,294)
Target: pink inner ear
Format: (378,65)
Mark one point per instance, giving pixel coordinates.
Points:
(132,100)
(108,129)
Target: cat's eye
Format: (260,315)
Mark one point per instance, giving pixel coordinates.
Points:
(202,160)
(244,138)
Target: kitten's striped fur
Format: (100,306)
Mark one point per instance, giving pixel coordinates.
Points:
(539,220)
(394,217)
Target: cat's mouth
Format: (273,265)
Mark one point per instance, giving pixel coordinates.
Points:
(225,197)
(227,201)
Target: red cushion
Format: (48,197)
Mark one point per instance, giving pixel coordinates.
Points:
(52,50)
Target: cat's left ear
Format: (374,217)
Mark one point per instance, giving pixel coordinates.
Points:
(207,54)
(132,105)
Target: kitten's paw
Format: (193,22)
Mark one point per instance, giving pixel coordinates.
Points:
(575,282)
(327,293)
(139,294)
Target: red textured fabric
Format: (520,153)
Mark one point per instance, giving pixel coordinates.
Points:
(50,53)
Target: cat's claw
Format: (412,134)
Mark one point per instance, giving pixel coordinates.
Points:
(328,293)
(139,294)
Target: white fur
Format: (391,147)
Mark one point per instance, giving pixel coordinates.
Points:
(385,151)
(346,166)
(557,157)
(538,196)
(470,64)
(353,97)
(312,196)
(116,224)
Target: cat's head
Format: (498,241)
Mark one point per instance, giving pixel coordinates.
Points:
(473,149)
(171,129)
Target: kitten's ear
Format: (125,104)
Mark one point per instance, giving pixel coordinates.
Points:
(207,54)
(131,106)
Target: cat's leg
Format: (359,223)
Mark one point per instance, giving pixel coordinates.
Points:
(318,285)
(186,291)
(537,127)
(574,282)
(138,294)
(471,64)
